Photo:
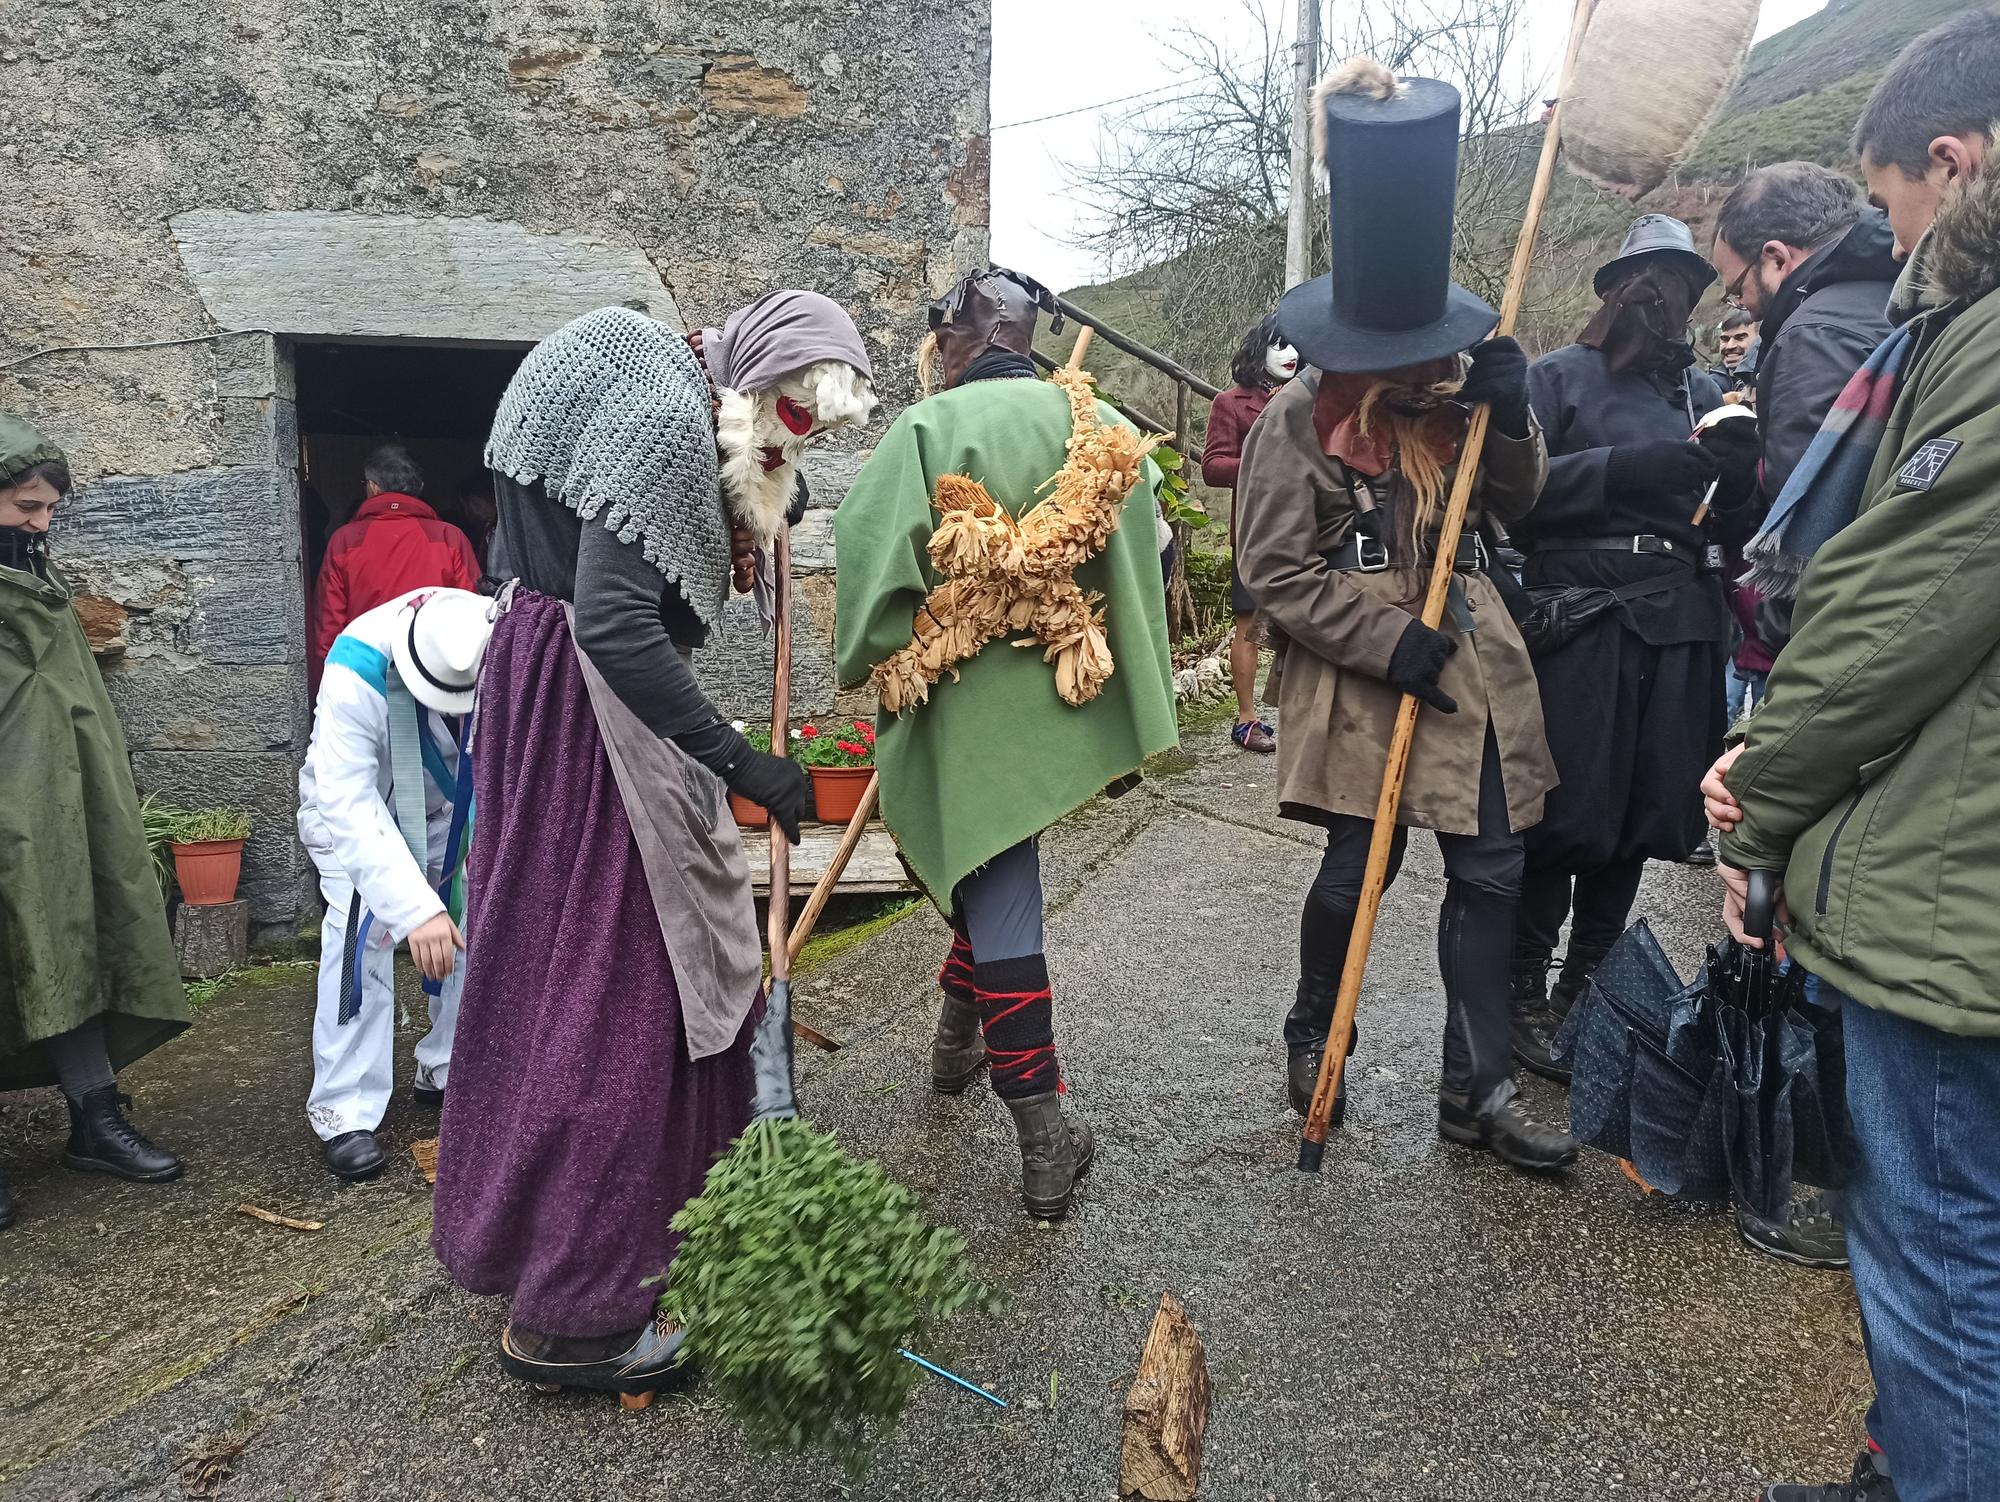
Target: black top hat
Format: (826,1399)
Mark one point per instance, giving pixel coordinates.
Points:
(1392,185)
(1652,235)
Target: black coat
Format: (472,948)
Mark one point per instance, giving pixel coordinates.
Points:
(1633,706)
(1827,319)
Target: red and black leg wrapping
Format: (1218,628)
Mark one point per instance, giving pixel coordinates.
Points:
(1018,1018)
(956,976)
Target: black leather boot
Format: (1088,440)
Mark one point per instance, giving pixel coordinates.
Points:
(1532,1020)
(1578,964)
(1509,1133)
(1323,934)
(958,1052)
(101,1140)
(1056,1149)
(355,1155)
(6,1204)
(637,1367)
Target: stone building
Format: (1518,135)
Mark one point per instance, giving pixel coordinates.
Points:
(243,240)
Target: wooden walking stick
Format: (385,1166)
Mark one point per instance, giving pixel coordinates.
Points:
(1312,1144)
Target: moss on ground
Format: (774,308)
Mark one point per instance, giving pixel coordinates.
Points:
(829,944)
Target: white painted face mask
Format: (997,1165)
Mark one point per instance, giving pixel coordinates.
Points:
(1281,362)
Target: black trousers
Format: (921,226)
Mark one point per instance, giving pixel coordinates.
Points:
(1601,899)
(1475,931)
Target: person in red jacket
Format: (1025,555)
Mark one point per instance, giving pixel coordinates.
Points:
(1263,363)
(394,544)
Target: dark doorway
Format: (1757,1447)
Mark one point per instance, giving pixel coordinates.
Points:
(438,402)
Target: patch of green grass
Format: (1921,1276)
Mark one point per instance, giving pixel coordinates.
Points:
(827,945)
(257,977)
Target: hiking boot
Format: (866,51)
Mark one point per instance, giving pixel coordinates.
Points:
(1866,1485)
(1577,967)
(101,1140)
(1702,854)
(1509,1133)
(1812,1233)
(958,1052)
(1302,1076)
(1055,1152)
(1533,1021)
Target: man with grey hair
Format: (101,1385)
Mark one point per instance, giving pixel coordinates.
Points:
(1796,247)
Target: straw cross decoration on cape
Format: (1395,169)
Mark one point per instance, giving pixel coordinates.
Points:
(1005,574)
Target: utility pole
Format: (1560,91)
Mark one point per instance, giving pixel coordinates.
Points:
(1298,218)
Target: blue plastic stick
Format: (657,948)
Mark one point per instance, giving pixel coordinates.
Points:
(931,1366)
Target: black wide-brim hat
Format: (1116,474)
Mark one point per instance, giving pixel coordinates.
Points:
(1656,237)
(1392,188)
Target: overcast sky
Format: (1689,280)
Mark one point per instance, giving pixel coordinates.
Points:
(1056,55)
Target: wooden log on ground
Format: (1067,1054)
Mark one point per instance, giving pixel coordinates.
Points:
(1166,1412)
(212,940)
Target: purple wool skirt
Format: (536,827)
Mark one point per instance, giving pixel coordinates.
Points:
(575,1124)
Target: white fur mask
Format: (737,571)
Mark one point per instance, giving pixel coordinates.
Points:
(1281,362)
(760,449)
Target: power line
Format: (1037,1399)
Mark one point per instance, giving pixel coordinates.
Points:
(1085,109)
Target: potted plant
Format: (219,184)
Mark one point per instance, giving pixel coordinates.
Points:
(748,814)
(208,854)
(840,762)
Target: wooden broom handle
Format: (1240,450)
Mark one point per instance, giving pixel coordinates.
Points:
(777,926)
(830,878)
(1319,1117)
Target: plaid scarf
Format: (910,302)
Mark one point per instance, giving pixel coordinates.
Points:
(1826,490)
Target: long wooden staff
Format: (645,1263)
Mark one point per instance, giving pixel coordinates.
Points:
(851,837)
(1312,1144)
(778,929)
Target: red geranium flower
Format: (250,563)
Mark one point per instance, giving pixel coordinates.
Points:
(806,732)
(851,749)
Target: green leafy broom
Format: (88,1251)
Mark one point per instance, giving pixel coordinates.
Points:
(803,1269)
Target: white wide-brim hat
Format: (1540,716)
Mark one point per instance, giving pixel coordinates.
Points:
(440,641)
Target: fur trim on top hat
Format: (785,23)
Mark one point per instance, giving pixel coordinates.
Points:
(1358,75)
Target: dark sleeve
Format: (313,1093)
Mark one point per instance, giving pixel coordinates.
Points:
(1572,496)
(1222,452)
(1806,368)
(619,627)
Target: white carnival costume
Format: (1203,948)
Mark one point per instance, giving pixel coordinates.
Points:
(383,812)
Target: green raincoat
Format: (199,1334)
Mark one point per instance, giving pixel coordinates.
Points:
(996,756)
(83,930)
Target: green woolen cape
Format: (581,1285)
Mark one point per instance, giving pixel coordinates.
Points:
(83,929)
(996,756)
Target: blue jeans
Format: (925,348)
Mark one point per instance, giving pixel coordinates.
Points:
(1741,691)
(1923,1230)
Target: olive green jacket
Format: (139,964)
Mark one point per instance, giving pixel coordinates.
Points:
(1871,773)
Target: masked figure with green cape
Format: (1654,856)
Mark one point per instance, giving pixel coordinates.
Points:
(88,979)
(1004,513)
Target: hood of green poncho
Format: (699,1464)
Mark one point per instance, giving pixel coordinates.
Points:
(22,447)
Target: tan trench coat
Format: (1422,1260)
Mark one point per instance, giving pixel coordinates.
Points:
(1336,711)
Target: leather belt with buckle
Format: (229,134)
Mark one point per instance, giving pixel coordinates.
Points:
(1365,555)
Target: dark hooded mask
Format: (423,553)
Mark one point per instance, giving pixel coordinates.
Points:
(991,309)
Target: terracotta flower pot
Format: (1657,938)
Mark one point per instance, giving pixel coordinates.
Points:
(837,792)
(207,871)
(749,815)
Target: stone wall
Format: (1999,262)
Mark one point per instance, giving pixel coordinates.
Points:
(707,152)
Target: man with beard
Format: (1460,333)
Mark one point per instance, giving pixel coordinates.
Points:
(602,1057)
(995,751)
(1340,498)
(1634,699)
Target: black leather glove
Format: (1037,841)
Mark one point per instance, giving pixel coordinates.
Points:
(1499,377)
(1419,658)
(1661,470)
(1736,446)
(778,783)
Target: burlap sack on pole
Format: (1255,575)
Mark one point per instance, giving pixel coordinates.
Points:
(1650,76)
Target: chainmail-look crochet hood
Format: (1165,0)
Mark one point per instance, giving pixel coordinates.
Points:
(611,414)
